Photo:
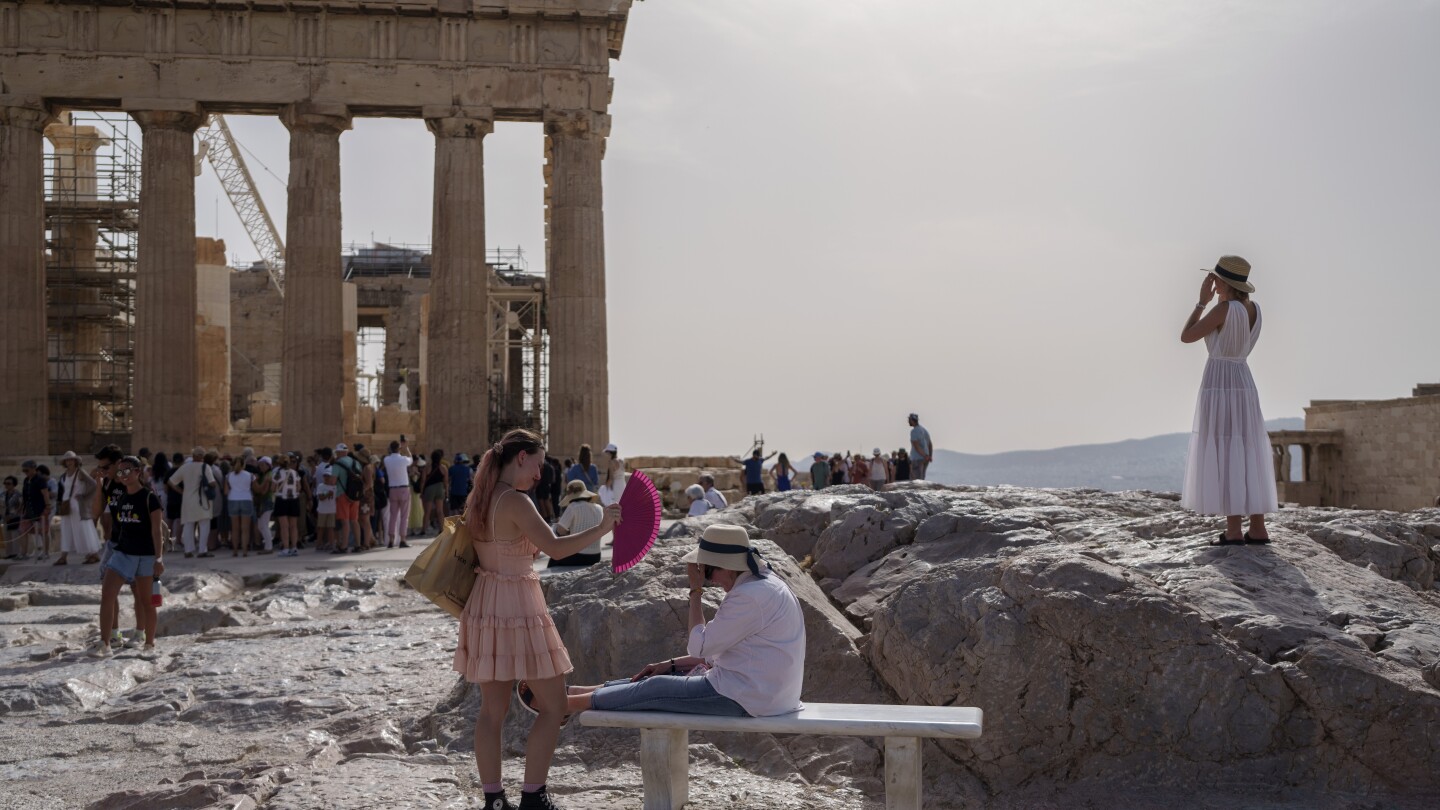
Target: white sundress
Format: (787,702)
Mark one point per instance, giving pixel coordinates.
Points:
(1231,469)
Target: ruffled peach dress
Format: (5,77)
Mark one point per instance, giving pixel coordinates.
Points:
(506,633)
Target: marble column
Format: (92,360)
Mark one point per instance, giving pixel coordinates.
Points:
(579,374)
(312,379)
(458,397)
(24,377)
(167,388)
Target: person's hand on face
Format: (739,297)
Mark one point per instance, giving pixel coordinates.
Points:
(1207,289)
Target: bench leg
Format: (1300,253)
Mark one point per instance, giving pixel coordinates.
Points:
(665,767)
(902,773)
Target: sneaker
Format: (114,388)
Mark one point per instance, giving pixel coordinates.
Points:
(189,554)
(539,800)
(136,640)
(148,653)
(100,651)
(497,801)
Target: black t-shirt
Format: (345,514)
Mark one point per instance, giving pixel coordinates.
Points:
(112,489)
(32,493)
(130,515)
(902,469)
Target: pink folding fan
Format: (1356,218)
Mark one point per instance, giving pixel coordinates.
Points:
(639,522)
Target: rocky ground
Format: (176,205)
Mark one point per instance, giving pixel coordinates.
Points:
(1120,660)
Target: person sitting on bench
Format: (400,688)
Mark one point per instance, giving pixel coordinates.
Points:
(749,661)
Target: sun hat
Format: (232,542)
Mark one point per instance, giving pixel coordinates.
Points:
(1234,271)
(69,456)
(877,451)
(576,491)
(728,547)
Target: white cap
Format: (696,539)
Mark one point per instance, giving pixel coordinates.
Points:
(610,448)
(877,451)
(342,447)
(266,460)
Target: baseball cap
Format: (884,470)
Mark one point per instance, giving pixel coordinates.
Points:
(342,447)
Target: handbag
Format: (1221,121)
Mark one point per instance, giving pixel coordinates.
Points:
(444,572)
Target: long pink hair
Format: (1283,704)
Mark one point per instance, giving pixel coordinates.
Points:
(478,506)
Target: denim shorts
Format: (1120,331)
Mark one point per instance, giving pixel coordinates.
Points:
(690,694)
(130,566)
(240,508)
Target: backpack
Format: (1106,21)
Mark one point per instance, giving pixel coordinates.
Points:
(354,483)
(208,489)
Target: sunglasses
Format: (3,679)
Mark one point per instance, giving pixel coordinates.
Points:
(125,471)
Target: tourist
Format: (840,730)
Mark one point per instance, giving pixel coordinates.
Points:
(543,493)
(713,495)
(748,661)
(783,472)
(219,517)
(265,503)
(365,521)
(434,492)
(880,471)
(612,485)
(326,505)
(582,513)
(461,474)
(584,470)
(859,471)
(506,531)
(819,471)
(837,471)
(755,471)
(1230,469)
(556,473)
(698,504)
(13,508)
(285,483)
(902,465)
(136,559)
(76,507)
(35,504)
(47,522)
(109,487)
(922,450)
(240,507)
(397,478)
(349,489)
(155,478)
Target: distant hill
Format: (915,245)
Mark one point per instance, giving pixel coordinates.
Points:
(1156,463)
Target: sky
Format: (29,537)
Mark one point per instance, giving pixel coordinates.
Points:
(824,214)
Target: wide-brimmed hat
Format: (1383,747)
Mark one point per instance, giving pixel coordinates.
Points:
(69,456)
(576,491)
(728,547)
(1234,271)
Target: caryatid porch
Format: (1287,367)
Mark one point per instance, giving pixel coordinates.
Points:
(461,65)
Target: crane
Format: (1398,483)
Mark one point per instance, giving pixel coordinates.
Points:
(215,143)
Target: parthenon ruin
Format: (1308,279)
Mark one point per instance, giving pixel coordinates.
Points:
(460,65)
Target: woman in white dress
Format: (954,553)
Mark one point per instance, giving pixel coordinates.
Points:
(1231,470)
(78,534)
(612,484)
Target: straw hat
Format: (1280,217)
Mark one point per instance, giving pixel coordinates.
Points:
(576,491)
(728,547)
(1234,271)
(69,456)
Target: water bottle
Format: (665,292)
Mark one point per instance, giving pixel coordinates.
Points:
(156,599)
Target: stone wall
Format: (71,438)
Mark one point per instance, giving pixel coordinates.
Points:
(212,327)
(255,337)
(1390,455)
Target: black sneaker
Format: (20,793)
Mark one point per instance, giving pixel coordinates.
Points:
(539,800)
(497,801)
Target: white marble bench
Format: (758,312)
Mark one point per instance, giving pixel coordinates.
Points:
(664,740)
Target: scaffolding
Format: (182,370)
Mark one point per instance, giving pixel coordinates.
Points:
(92,206)
(519,354)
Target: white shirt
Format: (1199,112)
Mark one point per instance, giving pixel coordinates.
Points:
(324,505)
(755,646)
(287,484)
(877,468)
(580,516)
(397,470)
(240,486)
(715,498)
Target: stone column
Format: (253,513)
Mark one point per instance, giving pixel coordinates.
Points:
(312,384)
(458,398)
(24,408)
(167,389)
(579,373)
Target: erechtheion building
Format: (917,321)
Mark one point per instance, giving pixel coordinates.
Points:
(460,65)
(1372,454)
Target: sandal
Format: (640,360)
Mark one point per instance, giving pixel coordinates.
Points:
(527,699)
(1256,541)
(1224,541)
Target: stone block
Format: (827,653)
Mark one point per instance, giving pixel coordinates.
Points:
(391,420)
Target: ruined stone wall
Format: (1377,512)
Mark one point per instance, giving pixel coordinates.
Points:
(1390,454)
(212,328)
(255,337)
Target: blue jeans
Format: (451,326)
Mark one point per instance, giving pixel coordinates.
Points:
(665,693)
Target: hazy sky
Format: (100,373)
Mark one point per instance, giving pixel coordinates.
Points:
(823,214)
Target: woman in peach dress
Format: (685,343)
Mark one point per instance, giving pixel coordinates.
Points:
(506,633)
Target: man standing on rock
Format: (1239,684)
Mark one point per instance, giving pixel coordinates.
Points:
(748,661)
(820,472)
(136,515)
(755,471)
(922,450)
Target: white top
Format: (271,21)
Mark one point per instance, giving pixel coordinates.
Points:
(715,498)
(857,719)
(397,470)
(287,484)
(580,516)
(700,506)
(190,478)
(325,505)
(755,646)
(877,469)
(240,486)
